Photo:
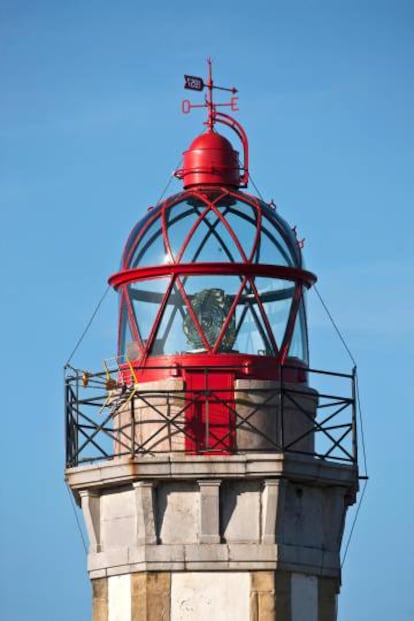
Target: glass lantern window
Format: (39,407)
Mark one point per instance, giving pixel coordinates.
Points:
(276,296)
(251,327)
(236,314)
(200,232)
(171,337)
(181,219)
(128,343)
(145,299)
(252,336)
(150,249)
(272,248)
(298,347)
(243,221)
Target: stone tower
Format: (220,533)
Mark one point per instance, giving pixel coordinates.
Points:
(213,468)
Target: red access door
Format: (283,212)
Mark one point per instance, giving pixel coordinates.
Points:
(210,416)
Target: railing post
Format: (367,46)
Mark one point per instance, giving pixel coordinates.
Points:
(354,417)
(67,425)
(207,411)
(281,410)
(76,431)
(132,448)
(71,425)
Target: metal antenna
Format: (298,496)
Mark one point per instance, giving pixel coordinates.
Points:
(209,96)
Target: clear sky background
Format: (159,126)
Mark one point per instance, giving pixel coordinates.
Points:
(90,130)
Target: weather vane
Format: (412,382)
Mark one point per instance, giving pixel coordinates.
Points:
(195,83)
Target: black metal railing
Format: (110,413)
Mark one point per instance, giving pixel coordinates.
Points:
(106,418)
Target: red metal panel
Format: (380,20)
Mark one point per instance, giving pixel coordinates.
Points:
(209,417)
(240,365)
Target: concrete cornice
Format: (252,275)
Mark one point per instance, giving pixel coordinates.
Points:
(125,471)
(220,557)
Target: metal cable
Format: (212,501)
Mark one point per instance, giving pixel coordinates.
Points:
(82,336)
(170,178)
(364,456)
(255,187)
(335,326)
(354,522)
(356,376)
(361,498)
(361,426)
(77,519)
(88,325)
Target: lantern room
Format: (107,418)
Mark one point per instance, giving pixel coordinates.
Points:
(213,276)
(213,271)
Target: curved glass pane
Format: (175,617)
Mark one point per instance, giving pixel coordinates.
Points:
(242,218)
(150,249)
(272,248)
(276,296)
(230,324)
(280,233)
(128,345)
(196,233)
(145,297)
(229,316)
(299,343)
(252,335)
(180,219)
(212,242)
(171,336)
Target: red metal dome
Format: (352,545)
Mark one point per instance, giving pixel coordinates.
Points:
(210,160)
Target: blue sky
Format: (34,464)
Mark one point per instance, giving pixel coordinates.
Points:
(90,130)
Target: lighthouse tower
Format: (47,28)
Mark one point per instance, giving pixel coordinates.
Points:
(213,467)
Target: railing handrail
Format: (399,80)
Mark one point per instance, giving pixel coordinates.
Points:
(211,368)
(89,431)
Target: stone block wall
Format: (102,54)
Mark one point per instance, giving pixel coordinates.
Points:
(185,524)
(218,596)
(155,421)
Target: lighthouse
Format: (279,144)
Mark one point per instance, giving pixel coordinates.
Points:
(213,465)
